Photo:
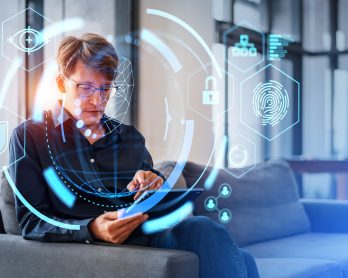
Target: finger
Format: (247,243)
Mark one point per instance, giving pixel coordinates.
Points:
(132,225)
(140,177)
(120,238)
(111,215)
(116,231)
(132,185)
(141,190)
(130,216)
(158,180)
(151,177)
(124,221)
(151,186)
(126,230)
(159,184)
(126,234)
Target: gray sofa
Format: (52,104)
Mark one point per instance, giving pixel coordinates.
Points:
(288,237)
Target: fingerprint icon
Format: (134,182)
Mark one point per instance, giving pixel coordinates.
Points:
(270,102)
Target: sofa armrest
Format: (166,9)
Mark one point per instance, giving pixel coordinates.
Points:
(328,216)
(26,258)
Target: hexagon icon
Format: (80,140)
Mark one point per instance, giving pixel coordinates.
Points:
(269,102)
(206,94)
(8,121)
(27,40)
(241,156)
(246,46)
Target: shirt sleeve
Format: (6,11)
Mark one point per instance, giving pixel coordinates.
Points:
(26,173)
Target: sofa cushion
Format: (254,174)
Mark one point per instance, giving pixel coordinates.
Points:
(264,202)
(327,246)
(28,258)
(7,208)
(295,267)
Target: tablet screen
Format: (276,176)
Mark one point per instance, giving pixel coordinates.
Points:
(173,199)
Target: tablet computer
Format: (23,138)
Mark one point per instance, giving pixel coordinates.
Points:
(173,199)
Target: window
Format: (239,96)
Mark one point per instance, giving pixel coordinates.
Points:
(318,59)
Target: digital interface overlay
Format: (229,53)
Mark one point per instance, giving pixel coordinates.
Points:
(265,97)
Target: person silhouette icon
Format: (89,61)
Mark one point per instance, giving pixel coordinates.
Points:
(225,216)
(210,203)
(225,190)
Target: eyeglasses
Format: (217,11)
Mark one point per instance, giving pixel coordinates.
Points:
(85,90)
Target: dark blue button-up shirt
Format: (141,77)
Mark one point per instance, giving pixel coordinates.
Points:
(97,174)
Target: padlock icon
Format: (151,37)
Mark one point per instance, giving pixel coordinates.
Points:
(210,96)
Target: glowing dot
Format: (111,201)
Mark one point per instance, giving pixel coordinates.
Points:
(182,121)
(128,39)
(80,123)
(110,38)
(94,136)
(88,132)
(77,111)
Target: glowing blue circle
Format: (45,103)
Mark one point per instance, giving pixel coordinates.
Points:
(88,132)
(80,124)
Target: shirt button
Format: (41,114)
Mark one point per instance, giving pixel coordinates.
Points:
(87,241)
(99,189)
(92,160)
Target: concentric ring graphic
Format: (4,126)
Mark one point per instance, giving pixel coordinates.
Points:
(238,156)
(270,102)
